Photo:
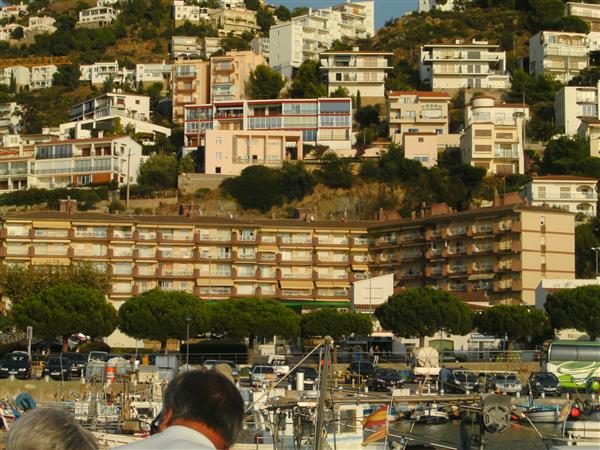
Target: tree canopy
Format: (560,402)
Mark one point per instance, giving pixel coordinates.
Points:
(337,324)
(264,83)
(516,322)
(577,308)
(19,281)
(422,312)
(66,309)
(161,315)
(308,81)
(159,171)
(254,317)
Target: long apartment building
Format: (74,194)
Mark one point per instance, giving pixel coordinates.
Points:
(323,121)
(463,65)
(493,138)
(305,37)
(499,253)
(301,262)
(357,71)
(198,82)
(588,12)
(560,54)
(234,20)
(54,164)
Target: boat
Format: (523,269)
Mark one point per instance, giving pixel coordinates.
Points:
(429,414)
(543,414)
(583,434)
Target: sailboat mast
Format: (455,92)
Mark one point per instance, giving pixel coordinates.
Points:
(322,386)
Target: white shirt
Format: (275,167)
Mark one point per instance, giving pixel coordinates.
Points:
(175,437)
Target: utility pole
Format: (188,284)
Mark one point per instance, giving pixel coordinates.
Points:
(322,388)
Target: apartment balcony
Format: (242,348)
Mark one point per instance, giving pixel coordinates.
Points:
(223,67)
(502,227)
(508,285)
(118,254)
(432,234)
(503,246)
(450,232)
(267,257)
(480,229)
(434,253)
(410,237)
(567,196)
(338,261)
(436,272)
(473,248)
(565,51)
(456,270)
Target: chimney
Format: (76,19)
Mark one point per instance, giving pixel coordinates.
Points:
(497,199)
(67,206)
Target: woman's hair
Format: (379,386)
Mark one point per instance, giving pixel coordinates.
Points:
(49,429)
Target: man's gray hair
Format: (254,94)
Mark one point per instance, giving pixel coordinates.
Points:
(50,429)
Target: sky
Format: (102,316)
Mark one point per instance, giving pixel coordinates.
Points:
(384,9)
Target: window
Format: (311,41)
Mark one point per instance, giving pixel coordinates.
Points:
(421,139)
(439,131)
(218,156)
(542,192)
(217,170)
(84,179)
(218,140)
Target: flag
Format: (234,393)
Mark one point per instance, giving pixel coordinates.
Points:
(564,412)
(377,436)
(377,418)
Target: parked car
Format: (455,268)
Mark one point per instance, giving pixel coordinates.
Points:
(279,363)
(385,380)
(212,363)
(458,381)
(311,376)
(359,371)
(78,362)
(17,364)
(58,368)
(506,384)
(544,382)
(262,376)
(97,356)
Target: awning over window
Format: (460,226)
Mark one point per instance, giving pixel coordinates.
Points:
(360,267)
(481,276)
(296,284)
(215,283)
(333,284)
(51,224)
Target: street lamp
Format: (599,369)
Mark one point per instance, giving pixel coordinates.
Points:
(188,320)
(596,250)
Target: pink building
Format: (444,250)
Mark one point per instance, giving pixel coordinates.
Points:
(228,152)
(421,147)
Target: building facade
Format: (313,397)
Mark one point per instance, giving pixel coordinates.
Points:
(357,71)
(190,83)
(323,121)
(463,65)
(300,262)
(102,72)
(563,55)
(588,12)
(417,112)
(235,20)
(493,137)
(305,37)
(194,47)
(229,74)
(422,147)
(148,74)
(498,254)
(53,164)
(428,5)
(574,103)
(228,152)
(10,118)
(183,12)
(96,17)
(577,195)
